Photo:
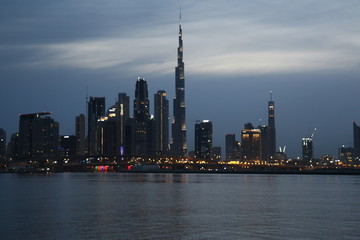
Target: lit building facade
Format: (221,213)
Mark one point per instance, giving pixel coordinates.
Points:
(346,155)
(203,139)
(251,143)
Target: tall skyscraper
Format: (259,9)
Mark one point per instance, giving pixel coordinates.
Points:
(96,110)
(123,114)
(356,132)
(203,139)
(141,101)
(141,116)
(178,145)
(80,135)
(161,117)
(251,143)
(271,131)
(2,145)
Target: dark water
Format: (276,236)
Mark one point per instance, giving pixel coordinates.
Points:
(179,206)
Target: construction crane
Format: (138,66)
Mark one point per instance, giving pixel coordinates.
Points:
(313,134)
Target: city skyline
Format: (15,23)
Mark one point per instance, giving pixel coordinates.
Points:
(58,66)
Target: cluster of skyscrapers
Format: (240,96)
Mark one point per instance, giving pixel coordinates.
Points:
(257,144)
(113,134)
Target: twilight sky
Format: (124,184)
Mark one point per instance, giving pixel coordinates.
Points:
(235,52)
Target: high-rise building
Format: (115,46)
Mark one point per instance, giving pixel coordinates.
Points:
(25,150)
(264,143)
(307,150)
(203,139)
(251,143)
(271,131)
(178,143)
(96,110)
(123,114)
(80,135)
(161,118)
(141,101)
(45,138)
(112,129)
(141,116)
(150,137)
(229,146)
(356,132)
(130,134)
(2,145)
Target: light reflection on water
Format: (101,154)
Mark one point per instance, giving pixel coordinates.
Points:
(178,206)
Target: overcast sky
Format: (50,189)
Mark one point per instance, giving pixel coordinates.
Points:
(235,52)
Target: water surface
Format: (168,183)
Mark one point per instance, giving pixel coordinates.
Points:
(178,206)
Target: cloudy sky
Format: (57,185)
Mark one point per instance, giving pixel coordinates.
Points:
(235,52)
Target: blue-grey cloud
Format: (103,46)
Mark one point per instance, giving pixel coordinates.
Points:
(235,52)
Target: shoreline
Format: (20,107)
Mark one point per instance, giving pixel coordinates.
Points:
(329,171)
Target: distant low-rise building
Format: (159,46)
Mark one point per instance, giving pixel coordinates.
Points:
(216,153)
(346,155)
